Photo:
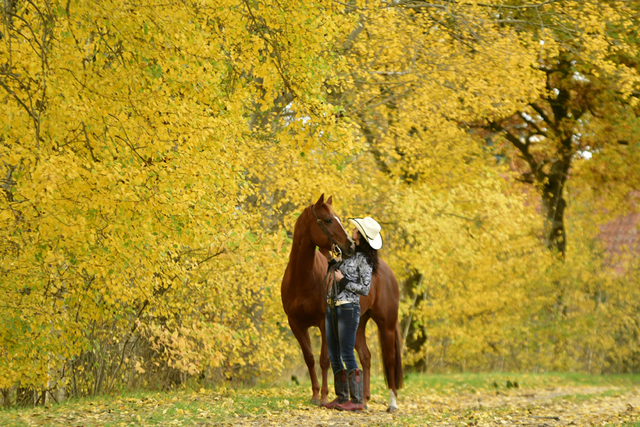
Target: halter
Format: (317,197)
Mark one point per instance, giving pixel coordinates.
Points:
(334,248)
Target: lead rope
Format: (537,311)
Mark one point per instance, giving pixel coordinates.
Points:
(330,291)
(329,286)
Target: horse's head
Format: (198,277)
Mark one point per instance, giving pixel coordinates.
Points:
(328,228)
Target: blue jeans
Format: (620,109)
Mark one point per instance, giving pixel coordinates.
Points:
(341,336)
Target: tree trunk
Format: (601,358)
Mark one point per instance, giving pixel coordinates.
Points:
(554,205)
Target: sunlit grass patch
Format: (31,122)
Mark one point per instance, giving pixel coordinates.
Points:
(471,382)
(581,397)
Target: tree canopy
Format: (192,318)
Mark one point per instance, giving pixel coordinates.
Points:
(155,155)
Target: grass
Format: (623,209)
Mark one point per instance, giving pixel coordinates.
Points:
(233,405)
(185,407)
(456,383)
(582,397)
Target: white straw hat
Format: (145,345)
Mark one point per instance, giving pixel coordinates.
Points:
(370,230)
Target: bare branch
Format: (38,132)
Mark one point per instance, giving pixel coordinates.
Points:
(17,98)
(532,122)
(84,129)
(522,147)
(543,114)
(220,252)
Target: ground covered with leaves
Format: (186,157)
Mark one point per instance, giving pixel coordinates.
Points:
(441,400)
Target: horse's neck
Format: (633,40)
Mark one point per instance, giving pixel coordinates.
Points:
(303,251)
(303,255)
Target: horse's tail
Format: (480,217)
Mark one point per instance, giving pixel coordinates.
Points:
(399,376)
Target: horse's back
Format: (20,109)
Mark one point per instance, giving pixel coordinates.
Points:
(388,283)
(384,293)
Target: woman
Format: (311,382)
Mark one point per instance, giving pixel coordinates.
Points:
(352,279)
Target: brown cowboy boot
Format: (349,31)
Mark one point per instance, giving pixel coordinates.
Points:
(341,387)
(355,389)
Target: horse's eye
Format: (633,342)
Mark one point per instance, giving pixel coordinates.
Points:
(328,221)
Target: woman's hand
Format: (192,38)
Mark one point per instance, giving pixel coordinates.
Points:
(338,275)
(335,250)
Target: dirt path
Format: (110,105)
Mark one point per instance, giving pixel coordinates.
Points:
(570,406)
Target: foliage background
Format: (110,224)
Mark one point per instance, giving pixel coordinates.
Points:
(155,158)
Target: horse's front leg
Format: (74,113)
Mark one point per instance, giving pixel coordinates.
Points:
(302,335)
(324,365)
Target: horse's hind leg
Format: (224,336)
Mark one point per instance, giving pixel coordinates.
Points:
(365,357)
(390,357)
(302,335)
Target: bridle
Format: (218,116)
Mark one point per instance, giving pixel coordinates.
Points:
(329,282)
(334,248)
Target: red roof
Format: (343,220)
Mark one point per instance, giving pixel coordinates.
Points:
(621,236)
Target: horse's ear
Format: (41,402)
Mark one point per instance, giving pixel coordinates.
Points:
(320,200)
(329,200)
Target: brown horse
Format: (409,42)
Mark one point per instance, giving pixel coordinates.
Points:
(305,304)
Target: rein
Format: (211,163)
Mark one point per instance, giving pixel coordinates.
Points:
(329,286)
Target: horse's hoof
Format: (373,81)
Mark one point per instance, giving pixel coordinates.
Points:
(392,409)
(315,402)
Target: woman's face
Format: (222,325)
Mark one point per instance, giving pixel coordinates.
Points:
(355,235)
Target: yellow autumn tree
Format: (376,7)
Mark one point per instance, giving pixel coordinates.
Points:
(155,156)
(575,146)
(426,74)
(127,147)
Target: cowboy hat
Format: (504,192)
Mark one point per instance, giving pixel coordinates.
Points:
(369,229)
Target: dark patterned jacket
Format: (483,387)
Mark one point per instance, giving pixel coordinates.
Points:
(357,277)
